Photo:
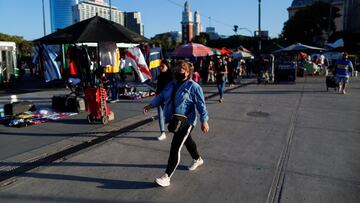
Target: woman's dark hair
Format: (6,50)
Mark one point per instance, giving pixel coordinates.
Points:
(164,61)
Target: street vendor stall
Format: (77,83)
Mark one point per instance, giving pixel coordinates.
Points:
(287,61)
(97,30)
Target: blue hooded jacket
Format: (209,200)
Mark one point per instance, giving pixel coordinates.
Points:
(189,95)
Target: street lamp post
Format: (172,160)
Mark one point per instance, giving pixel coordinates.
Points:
(110,8)
(43,12)
(259,26)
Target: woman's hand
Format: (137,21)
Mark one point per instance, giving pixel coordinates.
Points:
(146,109)
(205,127)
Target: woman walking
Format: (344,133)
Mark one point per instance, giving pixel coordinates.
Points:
(182,97)
(164,78)
(221,71)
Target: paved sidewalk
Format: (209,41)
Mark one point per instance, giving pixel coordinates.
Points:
(275,143)
(64,136)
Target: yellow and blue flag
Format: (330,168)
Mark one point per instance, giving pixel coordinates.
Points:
(155,58)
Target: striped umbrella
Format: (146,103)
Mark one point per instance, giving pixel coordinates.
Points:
(192,50)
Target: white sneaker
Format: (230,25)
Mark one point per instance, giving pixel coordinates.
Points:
(162,136)
(113,101)
(343,91)
(196,163)
(163,181)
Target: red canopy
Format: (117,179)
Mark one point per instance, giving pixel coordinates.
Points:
(224,51)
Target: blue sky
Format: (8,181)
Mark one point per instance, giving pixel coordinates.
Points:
(24,17)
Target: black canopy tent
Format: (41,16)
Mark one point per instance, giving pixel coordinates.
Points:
(95,29)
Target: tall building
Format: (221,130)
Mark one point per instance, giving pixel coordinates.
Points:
(134,23)
(187,26)
(352,16)
(88,9)
(299,4)
(197,23)
(61,13)
(212,34)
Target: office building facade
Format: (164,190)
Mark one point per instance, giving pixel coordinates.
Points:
(67,12)
(88,9)
(133,22)
(61,13)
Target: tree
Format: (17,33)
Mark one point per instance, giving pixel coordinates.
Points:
(203,38)
(25,48)
(311,25)
(166,41)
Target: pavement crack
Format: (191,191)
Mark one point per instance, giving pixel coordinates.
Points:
(274,194)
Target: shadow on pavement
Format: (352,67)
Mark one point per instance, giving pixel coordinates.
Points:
(272,92)
(43,198)
(85,164)
(105,183)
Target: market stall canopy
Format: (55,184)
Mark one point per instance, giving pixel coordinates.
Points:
(241,48)
(242,55)
(192,50)
(95,29)
(298,47)
(216,51)
(224,51)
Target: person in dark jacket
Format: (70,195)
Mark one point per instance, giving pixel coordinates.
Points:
(163,79)
(221,72)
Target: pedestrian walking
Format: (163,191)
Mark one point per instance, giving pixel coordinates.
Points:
(231,67)
(164,78)
(181,97)
(221,71)
(211,71)
(343,69)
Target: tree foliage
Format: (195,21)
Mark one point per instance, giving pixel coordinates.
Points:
(25,48)
(311,25)
(165,41)
(203,38)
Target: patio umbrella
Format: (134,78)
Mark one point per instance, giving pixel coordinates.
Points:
(225,51)
(216,51)
(298,47)
(241,54)
(95,29)
(192,50)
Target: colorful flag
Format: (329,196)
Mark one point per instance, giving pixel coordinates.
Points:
(138,62)
(155,58)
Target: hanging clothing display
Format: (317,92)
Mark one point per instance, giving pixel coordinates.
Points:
(108,53)
(47,56)
(71,55)
(116,67)
(80,64)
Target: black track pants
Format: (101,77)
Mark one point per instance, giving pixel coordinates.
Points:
(179,139)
